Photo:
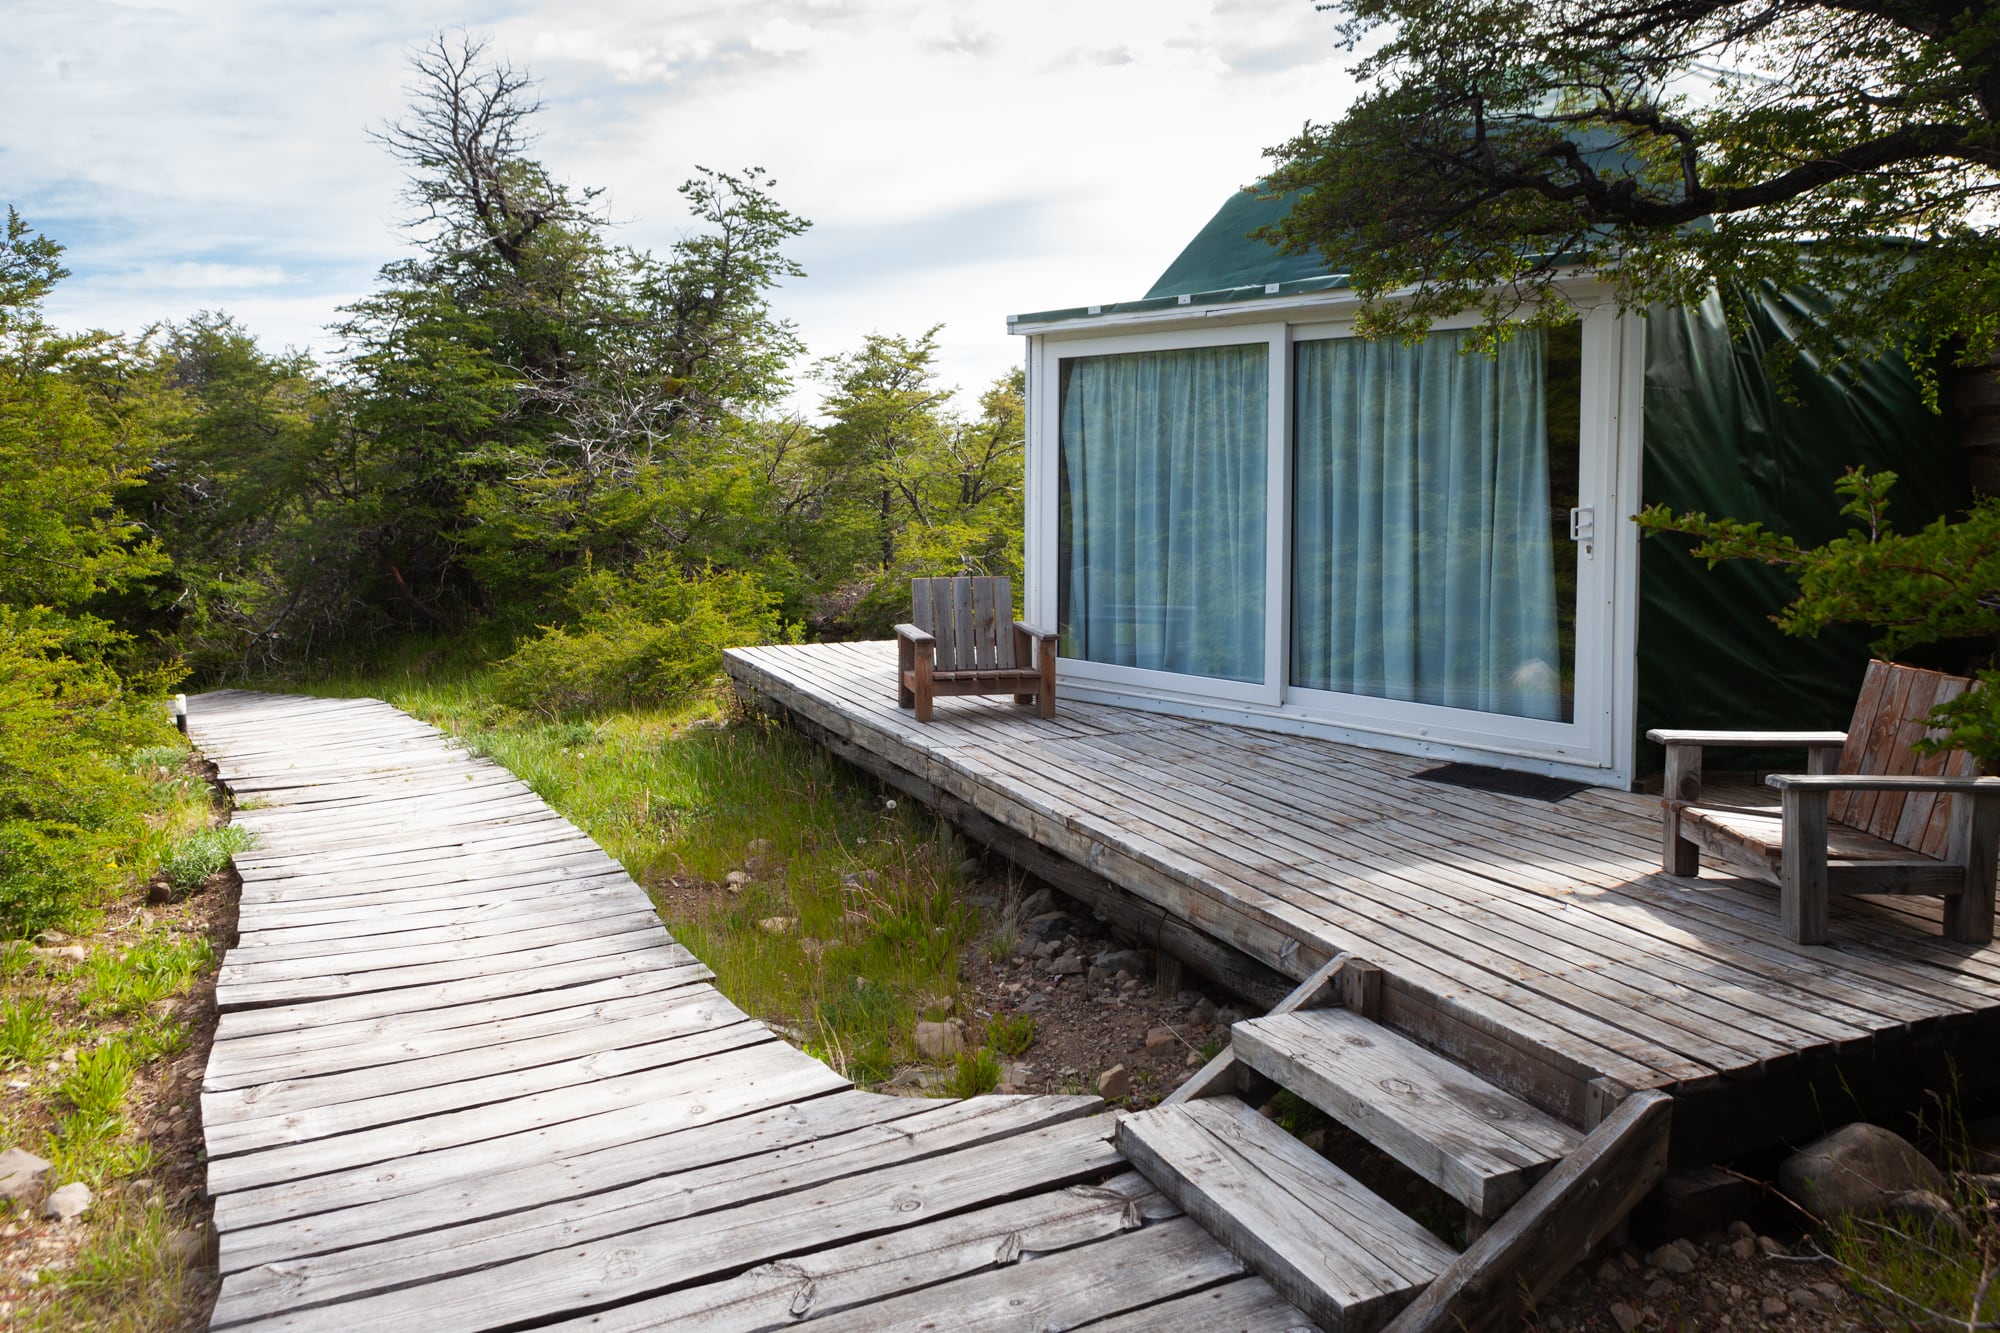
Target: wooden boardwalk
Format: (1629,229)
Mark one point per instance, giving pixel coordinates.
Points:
(463,1079)
(1535,942)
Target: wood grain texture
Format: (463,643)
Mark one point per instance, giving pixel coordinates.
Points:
(462,1073)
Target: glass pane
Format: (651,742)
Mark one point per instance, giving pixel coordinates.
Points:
(1160,556)
(1432,488)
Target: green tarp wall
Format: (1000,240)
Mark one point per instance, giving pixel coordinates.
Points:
(1722,439)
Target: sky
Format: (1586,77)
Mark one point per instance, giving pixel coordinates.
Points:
(959,162)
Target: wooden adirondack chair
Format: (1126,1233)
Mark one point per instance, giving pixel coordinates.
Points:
(1869,815)
(964,640)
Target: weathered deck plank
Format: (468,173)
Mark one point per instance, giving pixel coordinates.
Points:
(1534,941)
(462,1075)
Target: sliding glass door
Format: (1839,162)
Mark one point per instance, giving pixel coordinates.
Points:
(1432,489)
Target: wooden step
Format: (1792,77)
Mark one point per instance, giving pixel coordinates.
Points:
(1344,1256)
(1482,1146)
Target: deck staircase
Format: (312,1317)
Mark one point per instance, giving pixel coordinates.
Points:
(1538,1193)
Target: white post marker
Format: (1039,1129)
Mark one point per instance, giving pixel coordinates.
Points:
(181,713)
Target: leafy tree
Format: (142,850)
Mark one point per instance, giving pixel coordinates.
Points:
(76,415)
(1671,146)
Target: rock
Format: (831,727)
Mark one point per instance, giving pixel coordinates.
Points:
(1772,1306)
(186,1248)
(1829,1292)
(858,879)
(68,953)
(1136,962)
(1194,1060)
(1066,965)
(1677,1257)
(1114,1083)
(72,1200)
(22,1176)
(1856,1169)
(1228,1015)
(1923,1207)
(1036,903)
(1800,1298)
(1204,1010)
(1159,1039)
(1187,999)
(778,925)
(1741,1230)
(939,1041)
(1031,1003)
(1048,949)
(759,847)
(970,867)
(1744,1247)
(1049,927)
(1627,1318)
(1610,1272)
(1771,1249)
(1661,1286)
(1314,1139)
(735,879)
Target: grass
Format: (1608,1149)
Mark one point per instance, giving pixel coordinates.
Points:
(1011,1034)
(683,797)
(81,1045)
(972,1074)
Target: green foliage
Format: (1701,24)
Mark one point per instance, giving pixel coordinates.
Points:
(653,638)
(201,853)
(1938,584)
(1011,1034)
(26,1031)
(973,1073)
(160,964)
(1672,148)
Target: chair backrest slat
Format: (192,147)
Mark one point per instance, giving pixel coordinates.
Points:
(971,619)
(1888,721)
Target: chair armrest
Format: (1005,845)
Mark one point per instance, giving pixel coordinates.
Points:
(1811,740)
(915,635)
(1044,635)
(1903,782)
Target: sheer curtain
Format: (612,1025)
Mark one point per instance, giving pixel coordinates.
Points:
(1423,559)
(1161,554)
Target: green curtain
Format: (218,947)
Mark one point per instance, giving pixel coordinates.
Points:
(1161,550)
(1423,559)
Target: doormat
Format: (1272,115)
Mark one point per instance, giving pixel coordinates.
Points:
(1478,777)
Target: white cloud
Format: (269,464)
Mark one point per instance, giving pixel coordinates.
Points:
(960,163)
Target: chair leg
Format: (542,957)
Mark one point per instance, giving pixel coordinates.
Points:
(906,666)
(1679,856)
(1802,884)
(1045,697)
(921,685)
(1968,915)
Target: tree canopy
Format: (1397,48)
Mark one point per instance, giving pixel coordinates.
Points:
(1671,146)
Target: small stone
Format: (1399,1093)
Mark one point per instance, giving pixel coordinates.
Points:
(778,925)
(22,1175)
(1228,1015)
(1626,1317)
(939,1041)
(736,879)
(68,953)
(186,1248)
(969,868)
(1134,962)
(1677,1257)
(1114,1083)
(1744,1247)
(1772,1306)
(1064,965)
(72,1200)
(1194,1060)
(1660,1287)
(1610,1272)
(1924,1207)
(1314,1139)
(1204,1010)
(1159,1039)
(1827,1291)
(1854,1170)
(1036,903)
(1771,1248)
(1741,1230)
(759,847)
(1803,1298)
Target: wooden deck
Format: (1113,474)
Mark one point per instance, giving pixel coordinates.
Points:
(463,1079)
(1535,942)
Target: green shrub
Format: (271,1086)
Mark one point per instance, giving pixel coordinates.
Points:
(1010,1034)
(973,1074)
(201,853)
(653,638)
(71,810)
